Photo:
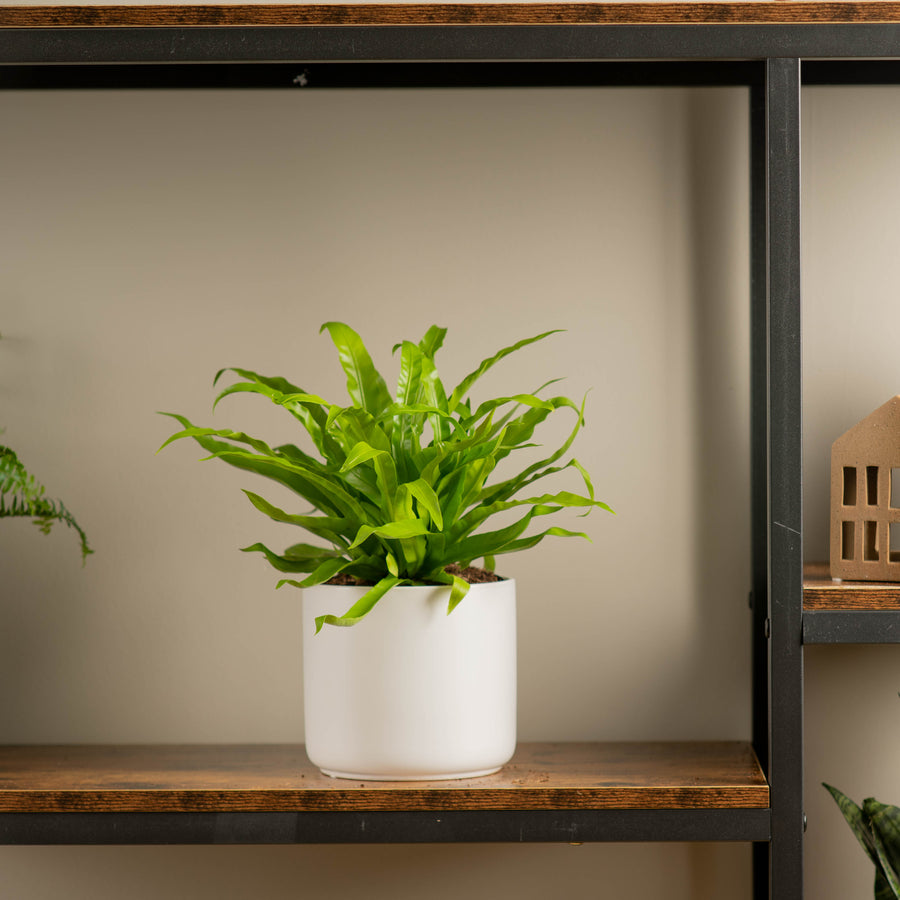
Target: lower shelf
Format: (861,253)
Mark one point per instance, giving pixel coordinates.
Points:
(272,794)
(848,612)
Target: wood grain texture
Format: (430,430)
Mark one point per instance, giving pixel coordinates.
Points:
(820,592)
(279,778)
(631,12)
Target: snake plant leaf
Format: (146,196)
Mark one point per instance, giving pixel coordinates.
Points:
(857,822)
(465,385)
(363,606)
(884,821)
(364,385)
(883,890)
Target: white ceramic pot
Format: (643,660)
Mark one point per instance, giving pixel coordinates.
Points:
(411,693)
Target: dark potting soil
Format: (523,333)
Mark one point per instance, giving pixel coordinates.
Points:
(472,574)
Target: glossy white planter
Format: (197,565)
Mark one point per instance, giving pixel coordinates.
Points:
(411,693)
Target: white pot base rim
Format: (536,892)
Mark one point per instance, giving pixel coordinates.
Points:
(440,776)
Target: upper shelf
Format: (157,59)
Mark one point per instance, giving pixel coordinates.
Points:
(631,12)
(374,32)
(206,793)
(848,612)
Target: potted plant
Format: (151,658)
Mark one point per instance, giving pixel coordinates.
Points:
(877,828)
(425,688)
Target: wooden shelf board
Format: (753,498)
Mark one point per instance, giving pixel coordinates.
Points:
(279,778)
(820,592)
(631,12)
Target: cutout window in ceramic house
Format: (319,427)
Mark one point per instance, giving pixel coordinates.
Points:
(848,540)
(872,485)
(870,542)
(849,486)
(894,541)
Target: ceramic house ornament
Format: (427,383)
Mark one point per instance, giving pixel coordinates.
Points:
(865,498)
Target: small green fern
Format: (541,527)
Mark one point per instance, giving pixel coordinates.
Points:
(22,495)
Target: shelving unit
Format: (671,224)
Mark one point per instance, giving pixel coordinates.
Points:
(550,792)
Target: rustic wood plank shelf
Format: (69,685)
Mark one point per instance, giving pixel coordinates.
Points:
(271,794)
(279,778)
(848,612)
(821,592)
(632,12)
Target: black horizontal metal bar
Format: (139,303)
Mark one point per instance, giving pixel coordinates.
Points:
(825,626)
(380,75)
(860,71)
(544,826)
(685,73)
(372,43)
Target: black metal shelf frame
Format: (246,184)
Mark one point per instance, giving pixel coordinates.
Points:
(851,626)
(429,43)
(481,826)
(764,58)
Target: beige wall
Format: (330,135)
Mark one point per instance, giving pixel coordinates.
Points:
(149,238)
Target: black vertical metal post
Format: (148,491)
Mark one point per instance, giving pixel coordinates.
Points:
(785,577)
(759,451)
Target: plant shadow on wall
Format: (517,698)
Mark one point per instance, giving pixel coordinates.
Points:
(400,494)
(22,496)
